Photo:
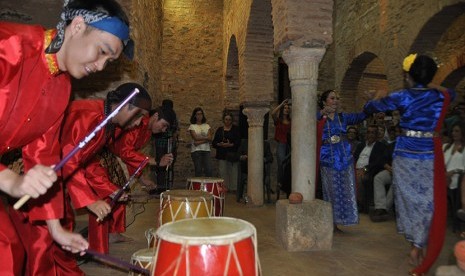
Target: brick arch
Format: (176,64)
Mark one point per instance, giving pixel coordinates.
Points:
(257,68)
(366,73)
(431,33)
(231,77)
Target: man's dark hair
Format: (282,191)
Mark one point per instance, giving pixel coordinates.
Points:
(423,69)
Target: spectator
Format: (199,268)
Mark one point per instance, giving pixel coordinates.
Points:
(226,142)
(282,121)
(201,135)
(352,138)
(382,181)
(369,160)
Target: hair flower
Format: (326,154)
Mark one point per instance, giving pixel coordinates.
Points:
(408,61)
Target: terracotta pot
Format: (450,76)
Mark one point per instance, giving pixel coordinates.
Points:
(459,251)
(295,198)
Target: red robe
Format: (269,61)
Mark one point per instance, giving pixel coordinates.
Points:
(86,180)
(33,98)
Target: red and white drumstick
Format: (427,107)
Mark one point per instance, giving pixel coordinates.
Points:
(117,262)
(86,139)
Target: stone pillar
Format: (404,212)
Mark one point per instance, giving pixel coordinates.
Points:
(303,73)
(255,118)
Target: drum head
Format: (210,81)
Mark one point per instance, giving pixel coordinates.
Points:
(205,180)
(191,195)
(215,230)
(143,255)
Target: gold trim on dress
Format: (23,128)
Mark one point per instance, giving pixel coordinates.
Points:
(51,59)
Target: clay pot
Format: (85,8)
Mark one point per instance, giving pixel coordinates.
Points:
(295,198)
(459,251)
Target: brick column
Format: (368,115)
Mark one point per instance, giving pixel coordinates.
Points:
(255,118)
(303,73)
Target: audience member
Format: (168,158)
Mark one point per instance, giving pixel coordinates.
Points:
(418,161)
(282,121)
(352,138)
(336,161)
(226,142)
(369,160)
(454,158)
(383,192)
(201,134)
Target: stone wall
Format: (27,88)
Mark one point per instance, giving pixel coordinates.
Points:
(192,65)
(372,37)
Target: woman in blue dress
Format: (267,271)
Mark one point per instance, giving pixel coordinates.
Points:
(336,162)
(418,162)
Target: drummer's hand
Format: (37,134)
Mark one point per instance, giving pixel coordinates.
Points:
(166,160)
(124,197)
(34,183)
(69,241)
(100,208)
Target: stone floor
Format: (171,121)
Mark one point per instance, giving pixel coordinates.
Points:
(366,249)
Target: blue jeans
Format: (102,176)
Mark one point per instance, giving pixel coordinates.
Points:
(202,162)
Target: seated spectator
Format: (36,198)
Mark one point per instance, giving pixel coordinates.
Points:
(383,194)
(352,138)
(454,158)
(369,159)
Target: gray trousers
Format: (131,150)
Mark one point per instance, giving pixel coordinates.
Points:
(383,199)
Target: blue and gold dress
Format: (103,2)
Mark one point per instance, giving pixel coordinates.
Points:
(337,167)
(418,163)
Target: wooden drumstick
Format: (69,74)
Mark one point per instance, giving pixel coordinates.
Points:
(117,262)
(86,139)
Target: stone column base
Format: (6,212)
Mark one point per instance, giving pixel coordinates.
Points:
(304,227)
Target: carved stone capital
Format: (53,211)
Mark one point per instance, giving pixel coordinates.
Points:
(303,62)
(255,115)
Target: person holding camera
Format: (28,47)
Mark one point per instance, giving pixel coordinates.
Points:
(282,121)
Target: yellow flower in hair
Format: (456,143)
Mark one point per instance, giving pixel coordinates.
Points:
(408,61)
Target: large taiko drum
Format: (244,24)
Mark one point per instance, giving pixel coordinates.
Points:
(207,246)
(214,186)
(142,258)
(184,204)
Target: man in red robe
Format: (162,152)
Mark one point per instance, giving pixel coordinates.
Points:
(36,66)
(127,147)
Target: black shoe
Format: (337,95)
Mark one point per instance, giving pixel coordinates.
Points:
(379,215)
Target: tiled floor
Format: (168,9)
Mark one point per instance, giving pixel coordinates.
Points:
(366,249)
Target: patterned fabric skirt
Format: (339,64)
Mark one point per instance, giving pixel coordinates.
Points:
(115,172)
(339,190)
(413,192)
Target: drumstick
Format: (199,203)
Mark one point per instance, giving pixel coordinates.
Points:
(169,151)
(126,185)
(117,262)
(86,139)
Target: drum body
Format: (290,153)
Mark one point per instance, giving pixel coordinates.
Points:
(142,258)
(207,246)
(184,204)
(214,186)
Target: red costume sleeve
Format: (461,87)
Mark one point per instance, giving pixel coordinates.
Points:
(97,177)
(46,151)
(78,123)
(128,144)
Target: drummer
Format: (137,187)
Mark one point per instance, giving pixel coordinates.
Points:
(126,146)
(34,91)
